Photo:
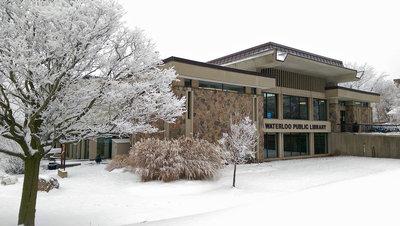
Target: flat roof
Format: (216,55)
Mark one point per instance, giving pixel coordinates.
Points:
(190,69)
(352,90)
(344,93)
(202,64)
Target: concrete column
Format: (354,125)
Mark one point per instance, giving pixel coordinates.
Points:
(247,90)
(350,112)
(281,151)
(280,106)
(310,108)
(166,130)
(334,114)
(195,83)
(92,149)
(311,144)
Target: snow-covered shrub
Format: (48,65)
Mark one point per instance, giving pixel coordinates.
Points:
(169,160)
(46,183)
(8,180)
(11,164)
(118,162)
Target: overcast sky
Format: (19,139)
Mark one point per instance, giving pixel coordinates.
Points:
(347,30)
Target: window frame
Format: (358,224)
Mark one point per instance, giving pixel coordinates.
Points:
(289,137)
(274,114)
(318,108)
(326,151)
(276,140)
(292,105)
(221,87)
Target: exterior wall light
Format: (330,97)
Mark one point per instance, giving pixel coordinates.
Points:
(280,55)
(360,74)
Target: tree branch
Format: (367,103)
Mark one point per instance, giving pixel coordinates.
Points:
(19,155)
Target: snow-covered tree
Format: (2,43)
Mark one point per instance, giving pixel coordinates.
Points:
(373,81)
(70,70)
(238,144)
(387,109)
(369,79)
(10,164)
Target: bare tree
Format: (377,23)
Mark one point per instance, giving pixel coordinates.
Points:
(70,70)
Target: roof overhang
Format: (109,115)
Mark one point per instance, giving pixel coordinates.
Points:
(215,73)
(347,94)
(295,64)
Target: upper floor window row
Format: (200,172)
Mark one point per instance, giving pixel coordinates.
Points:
(221,86)
(294,107)
(361,104)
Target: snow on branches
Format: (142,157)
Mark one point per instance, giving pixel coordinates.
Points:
(238,144)
(71,70)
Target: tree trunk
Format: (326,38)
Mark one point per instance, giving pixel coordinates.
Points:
(234,175)
(27,208)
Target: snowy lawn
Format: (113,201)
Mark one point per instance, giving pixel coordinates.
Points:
(319,191)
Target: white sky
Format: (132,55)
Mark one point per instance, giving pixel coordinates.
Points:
(347,30)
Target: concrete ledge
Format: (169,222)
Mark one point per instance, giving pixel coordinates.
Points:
(62,174)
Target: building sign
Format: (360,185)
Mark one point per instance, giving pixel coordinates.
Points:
(301,126)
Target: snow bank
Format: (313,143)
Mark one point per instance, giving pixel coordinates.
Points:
(319,191)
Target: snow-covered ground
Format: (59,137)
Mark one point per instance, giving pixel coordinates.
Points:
(319,191)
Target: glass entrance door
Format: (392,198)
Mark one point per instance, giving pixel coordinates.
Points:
(104,147)
(343,121)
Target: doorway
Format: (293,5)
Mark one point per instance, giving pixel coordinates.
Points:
(343,121)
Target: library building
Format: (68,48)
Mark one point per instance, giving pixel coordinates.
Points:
(292,95)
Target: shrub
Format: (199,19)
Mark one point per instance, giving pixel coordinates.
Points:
(11,164)
(47,183)
(118,162)
(169,160)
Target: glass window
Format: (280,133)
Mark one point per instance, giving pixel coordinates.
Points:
(296,144)
(286,107)
(210,85)
(253,91)
(188,82)
(320,143)
(303,108)
(270,105)
(295,107)
(361,104)
(227,87)
(342,103)
(220,86)
(319,109)
(270,145)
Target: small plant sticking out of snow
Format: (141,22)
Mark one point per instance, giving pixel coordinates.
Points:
(47,183)
(238,144)
(169,160)
(118,162)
